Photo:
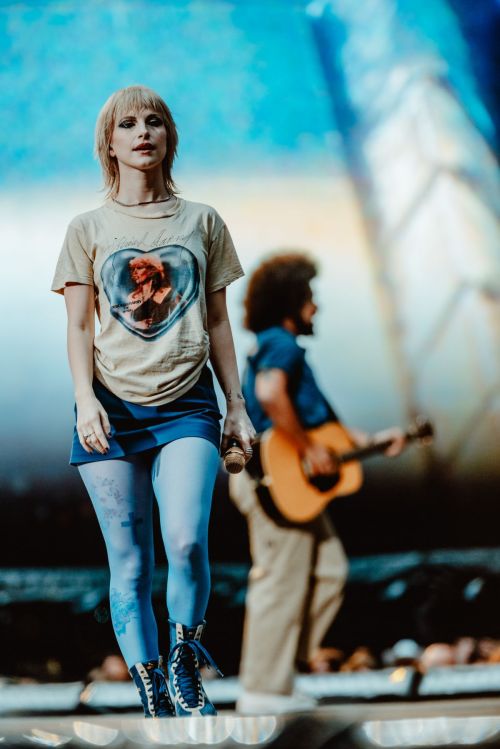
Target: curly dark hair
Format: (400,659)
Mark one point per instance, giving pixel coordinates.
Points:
(277,289)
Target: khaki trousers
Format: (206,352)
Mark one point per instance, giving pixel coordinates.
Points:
(294,591)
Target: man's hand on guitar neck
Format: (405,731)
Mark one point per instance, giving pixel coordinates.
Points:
(394,435)
(397,438)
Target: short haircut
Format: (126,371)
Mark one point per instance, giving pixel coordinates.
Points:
(122,102)
(278,289)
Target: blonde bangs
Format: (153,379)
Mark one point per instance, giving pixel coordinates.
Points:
(132,100)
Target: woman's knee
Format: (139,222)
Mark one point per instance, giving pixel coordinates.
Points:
(187,553)
(133,569)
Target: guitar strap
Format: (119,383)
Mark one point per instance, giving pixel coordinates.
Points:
(254,468)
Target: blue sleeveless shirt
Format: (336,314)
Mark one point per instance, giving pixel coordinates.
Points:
(277,348)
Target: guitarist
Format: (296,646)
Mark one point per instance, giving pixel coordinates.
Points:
(298,571)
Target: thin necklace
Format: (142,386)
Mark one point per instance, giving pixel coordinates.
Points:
(144,202)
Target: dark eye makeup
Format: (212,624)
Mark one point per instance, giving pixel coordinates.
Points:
(151,119)
(154,120)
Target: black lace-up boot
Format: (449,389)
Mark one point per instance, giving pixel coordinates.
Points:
(187,655)
(151,683)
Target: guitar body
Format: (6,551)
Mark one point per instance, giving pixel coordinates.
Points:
(293,494)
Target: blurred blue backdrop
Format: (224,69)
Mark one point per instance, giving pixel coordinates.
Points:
(243,78)
(365,133)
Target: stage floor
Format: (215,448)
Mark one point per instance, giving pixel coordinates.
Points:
(457,722)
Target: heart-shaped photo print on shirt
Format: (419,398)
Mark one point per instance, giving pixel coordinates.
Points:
(148,292)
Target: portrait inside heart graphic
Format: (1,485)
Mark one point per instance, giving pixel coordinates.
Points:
(149,292)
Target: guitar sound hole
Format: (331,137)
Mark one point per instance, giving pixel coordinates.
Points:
(324,483)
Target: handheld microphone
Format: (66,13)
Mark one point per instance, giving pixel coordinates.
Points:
(234,457)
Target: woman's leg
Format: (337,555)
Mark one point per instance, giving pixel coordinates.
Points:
(121,493)
(184,474)
(183,477)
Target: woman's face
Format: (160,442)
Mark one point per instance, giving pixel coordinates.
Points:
(140,274)
(139,140)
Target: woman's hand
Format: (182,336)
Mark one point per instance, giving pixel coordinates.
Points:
(238,426)
(92,425)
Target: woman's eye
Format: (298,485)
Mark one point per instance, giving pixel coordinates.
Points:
(155,121)
(126,123)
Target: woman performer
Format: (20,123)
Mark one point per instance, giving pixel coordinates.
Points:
(147,420)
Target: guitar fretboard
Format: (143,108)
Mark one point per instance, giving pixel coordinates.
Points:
(423,431)
(364,452)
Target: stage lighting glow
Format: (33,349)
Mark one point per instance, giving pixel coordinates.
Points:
(46,738)
(253,730)
(165,732)
(430,731)
(398,675)
(133,729)
(94,733)
(208,730)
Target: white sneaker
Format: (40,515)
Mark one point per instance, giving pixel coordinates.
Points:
(265,703)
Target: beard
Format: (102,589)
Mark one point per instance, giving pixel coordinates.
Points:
(304,328)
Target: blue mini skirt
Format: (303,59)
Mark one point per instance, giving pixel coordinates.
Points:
(136,428)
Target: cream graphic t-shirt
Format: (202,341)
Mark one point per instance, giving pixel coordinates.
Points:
(150,270)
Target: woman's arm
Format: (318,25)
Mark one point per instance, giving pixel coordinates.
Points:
(223,358)
(91,416)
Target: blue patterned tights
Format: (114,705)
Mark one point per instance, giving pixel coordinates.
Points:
(181,475)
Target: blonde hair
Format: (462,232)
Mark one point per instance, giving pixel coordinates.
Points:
(124,101)
(150,263)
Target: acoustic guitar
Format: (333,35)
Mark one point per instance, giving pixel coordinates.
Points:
(300,497)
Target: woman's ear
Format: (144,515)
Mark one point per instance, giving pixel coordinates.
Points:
(111,150)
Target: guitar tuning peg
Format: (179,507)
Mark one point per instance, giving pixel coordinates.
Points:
(422,430)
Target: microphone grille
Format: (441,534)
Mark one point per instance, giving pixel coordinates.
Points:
(234,460)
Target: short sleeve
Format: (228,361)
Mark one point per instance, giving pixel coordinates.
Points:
(278,351)
(223,265)
(74,264)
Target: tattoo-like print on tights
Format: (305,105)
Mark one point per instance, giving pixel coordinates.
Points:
(121,491)
(124,608)
(106,491)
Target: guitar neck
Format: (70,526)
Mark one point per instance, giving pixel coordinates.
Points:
(359,453)
(374,448)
